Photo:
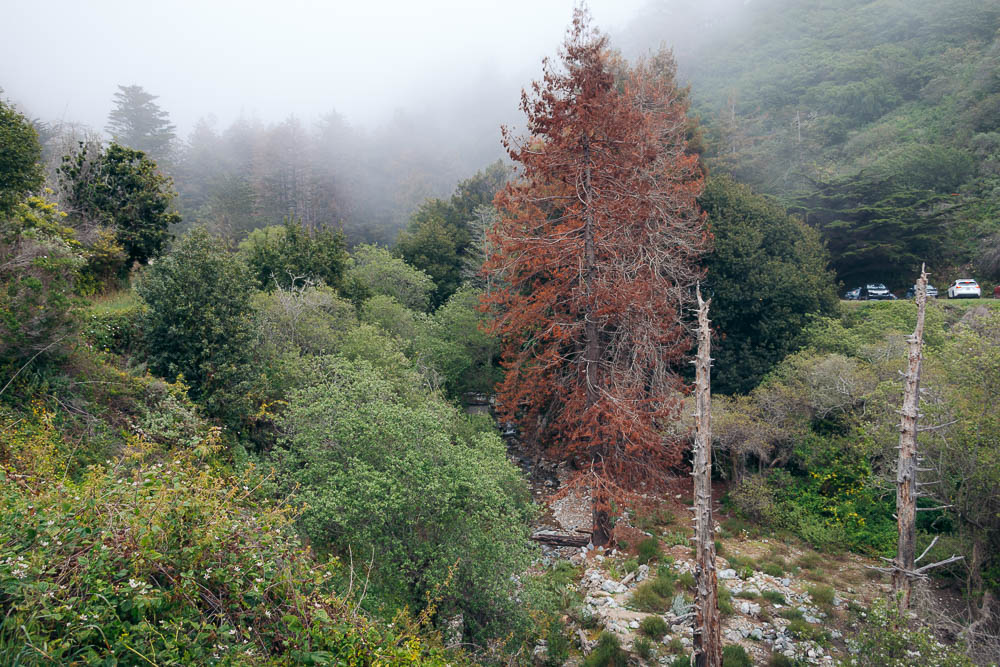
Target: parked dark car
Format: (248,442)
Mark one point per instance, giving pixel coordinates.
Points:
(853,294)
(875,291)
(912,292)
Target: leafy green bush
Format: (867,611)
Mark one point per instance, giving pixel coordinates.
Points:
(649,549)
(643,647)
(557,649)
(116,330)
(886,638)
(726,601)
(802,629)
(372,270)
(159,558)
(653,626)
(198,324)
(822,594)
(39,262)
(735,655)
(607,653)
(292,255)
(397,477)
(646,598)
(773,596)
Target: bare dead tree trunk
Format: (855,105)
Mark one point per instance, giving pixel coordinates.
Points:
(707,627)
(906,470)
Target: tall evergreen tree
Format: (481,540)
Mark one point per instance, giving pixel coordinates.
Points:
(598,246)
(139,123)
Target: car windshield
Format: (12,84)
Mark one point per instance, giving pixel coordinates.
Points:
(966,282)
(876,286)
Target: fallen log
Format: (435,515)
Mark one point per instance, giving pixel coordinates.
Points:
(561,538)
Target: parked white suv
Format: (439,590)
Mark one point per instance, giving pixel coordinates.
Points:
(964,288)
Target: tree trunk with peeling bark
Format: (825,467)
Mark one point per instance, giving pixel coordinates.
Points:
(707,627)
(906,471)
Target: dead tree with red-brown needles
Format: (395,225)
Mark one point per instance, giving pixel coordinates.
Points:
(708,623)
(597,247)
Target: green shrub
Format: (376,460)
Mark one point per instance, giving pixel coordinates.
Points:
(157,556)
(118,330)
(630,565)
(676,539)
(198,324)
(557,650)
(773,596)
(645,598)
(649,549)
(747,595)
(686,580)
(292,255)
(390,471)
(790,613)
(607,653)
(735,656)
(726,601)
(653,626)
(802,629)
(887,639)
(772,568)
(675,646)
(781,660)
(643,647)
(39,262)
(822,595)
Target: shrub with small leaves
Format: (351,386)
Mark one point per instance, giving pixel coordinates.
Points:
(643,647)
(158,558)
(607,653)
(735,655)
(649,549)
(653,626)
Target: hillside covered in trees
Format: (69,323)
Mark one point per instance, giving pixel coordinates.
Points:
(309,393)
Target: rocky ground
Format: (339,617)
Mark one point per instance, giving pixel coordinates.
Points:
(798,607)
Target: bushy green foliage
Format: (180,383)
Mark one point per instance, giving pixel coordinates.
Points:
(735,655)
(116,329)
(123,190)
(158,558)
(822,594)
(439,234)
(198,323)
(383,469)
(558,645)
(372,271)
(767,273)
(607,653)
(888,639)
(649,549)
(725,601)
(466,355)
(20,158)
(654,595)
(773,596)
(308,320)
(292,255)
(653,626)
(39,261)
(643,647)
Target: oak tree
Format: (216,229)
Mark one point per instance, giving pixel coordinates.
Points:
(597,251)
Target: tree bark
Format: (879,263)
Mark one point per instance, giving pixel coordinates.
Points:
(906,471)
(707,627)
(561,538)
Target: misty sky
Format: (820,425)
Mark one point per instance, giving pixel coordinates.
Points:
(61,60)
